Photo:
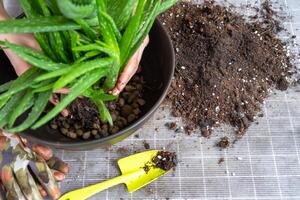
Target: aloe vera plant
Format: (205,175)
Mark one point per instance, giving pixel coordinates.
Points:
(85,44)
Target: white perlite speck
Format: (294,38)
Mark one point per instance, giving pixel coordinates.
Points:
(239,158)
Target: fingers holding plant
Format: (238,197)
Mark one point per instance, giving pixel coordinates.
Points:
(130,69)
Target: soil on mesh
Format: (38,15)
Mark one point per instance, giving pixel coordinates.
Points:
(84,122)
(221,160)
(225,65)
(146,144)
(165,160)
(224,143)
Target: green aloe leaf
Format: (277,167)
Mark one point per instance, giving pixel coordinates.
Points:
(53,74)
(166,5)
(104,112)
(83,68)
(87,29)
(105,26)
(88,55)
(33,57)
(95,47)
(36,111)
(130,32)
(74,40)
(113,25)
(77,89)
(24,104)
(5,86)
(99,94)
(8,108)
(31,12)
(147,21)
(20,84)
(4,101)
(121,11)
(26,50)
(30,8)
(41,24)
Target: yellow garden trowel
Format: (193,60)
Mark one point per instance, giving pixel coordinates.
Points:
(137,170)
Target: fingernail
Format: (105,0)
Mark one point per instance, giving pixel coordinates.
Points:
(59,176)
(115,92)
(65,113)
(43,192)
(24,140)
(66,169)
(43,151)
(55,193)
(6,175)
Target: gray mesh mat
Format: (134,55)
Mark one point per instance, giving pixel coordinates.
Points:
(265,164)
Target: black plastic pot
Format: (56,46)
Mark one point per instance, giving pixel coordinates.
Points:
(158,65)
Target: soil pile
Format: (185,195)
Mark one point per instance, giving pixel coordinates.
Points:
(225,65)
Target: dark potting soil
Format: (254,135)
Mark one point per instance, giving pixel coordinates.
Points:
(226,65)
(165,160)
(224,143)
(83,121)
(146,144)
(221,160)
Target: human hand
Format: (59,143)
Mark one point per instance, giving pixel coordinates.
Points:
(131,68)
(25,175)
(18,63)
(27,40)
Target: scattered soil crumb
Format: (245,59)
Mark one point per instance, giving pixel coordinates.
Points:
(122,150)
(146,168)
(149,190)
(221,160)
(165,160)
(107,147)
(226,66)
(189,129)
(224,143)
(261,114)
(171,125)
(270,17)
(146,144)
(137,136)
(206,131)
